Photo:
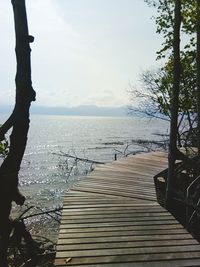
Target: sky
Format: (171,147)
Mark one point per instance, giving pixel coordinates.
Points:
(86,52)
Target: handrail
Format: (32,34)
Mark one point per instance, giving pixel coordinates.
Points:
(187,195)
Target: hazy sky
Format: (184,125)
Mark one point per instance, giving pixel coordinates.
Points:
(85,51)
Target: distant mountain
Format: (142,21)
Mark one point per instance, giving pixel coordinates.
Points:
(84,110)
(80,111)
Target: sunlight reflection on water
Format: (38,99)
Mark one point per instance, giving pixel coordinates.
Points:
(44,175)
(95,138)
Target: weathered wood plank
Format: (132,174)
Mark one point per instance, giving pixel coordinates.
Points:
(147,219)
(126,244)
(129,230)
(165,263)
(66,216)
(136,258)
(112,218)
(137,230)
(142,251)
(117,193)
(109,237)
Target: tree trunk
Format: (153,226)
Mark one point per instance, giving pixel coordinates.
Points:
(19,120)
(198,75)
(174,102)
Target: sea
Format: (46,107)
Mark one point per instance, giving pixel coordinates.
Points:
(58,149)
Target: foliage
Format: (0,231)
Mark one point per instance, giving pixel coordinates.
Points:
(4,147)
(155,94)
(165,22)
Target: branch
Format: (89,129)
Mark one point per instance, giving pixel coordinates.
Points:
(41,213)
(152,114)
(77,158)
(6,126)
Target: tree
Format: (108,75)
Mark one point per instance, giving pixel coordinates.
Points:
(178,90)
(155,93)
(174,100)
(156,90)
(198,72)
(19,122)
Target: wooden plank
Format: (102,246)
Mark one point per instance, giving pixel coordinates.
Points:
(143,206)
(169,263)
(136,258)
(83,220)
(142,251)
(136,229)
(113,224)
(139,191)
(112,218)
(117,193)
(104,232)
(125,244)
(109,237)
(138,185)
(66,216)
(107,209)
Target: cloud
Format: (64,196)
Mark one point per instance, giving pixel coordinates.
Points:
(84,51)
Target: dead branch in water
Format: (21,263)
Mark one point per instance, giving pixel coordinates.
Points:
(78,158)
(47,212)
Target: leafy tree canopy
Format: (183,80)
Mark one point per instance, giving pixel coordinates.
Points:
(157,84)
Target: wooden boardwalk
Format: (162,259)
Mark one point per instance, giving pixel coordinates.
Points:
(112,218)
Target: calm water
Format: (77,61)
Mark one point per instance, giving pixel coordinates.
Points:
(45,176)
